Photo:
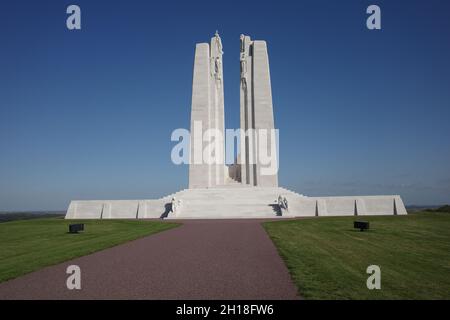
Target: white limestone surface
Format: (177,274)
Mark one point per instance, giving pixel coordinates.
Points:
(237,202)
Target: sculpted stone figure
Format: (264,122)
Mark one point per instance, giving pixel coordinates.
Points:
(243,72)
(285,203)
(243,67)
(218,68)
(282,203)
(175,206)
(218,43)
(216,60)
(243,60)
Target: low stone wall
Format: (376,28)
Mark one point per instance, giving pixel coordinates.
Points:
(352,206)
(237,203)
(116,209)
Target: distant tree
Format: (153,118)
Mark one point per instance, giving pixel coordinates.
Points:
(445,208)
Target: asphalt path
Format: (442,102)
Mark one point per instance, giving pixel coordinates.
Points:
(202,259)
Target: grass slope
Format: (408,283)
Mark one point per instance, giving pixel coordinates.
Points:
(29,245)
(327,258)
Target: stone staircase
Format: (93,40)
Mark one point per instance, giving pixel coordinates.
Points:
(232,201)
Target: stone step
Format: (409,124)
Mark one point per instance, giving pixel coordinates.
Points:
(239,201)
(204,214)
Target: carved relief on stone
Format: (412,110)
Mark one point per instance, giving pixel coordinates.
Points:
(216,58)
(218,68)
(243,60)
(242,38)
(244,83)
(243,66)
(218,43)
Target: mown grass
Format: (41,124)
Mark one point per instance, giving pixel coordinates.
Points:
(28,245)
(327,258)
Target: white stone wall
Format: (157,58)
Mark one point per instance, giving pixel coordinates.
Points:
(237,202)
(346,206)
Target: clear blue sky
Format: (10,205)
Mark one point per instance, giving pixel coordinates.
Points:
(88,114)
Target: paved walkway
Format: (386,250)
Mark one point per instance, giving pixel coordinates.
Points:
(202,259)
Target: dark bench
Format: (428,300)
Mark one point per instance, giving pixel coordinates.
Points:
(361,225)
(74,228)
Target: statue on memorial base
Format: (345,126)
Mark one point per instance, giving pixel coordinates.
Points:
(282,204)
(175,206)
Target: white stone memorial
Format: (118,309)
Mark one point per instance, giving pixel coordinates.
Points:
(241,190)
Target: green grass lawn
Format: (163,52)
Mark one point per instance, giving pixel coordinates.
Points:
(327,258)
(28,245)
